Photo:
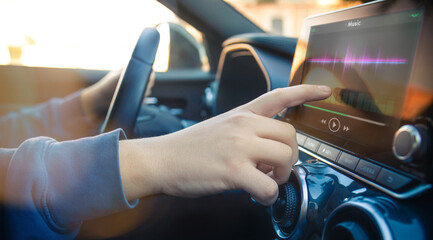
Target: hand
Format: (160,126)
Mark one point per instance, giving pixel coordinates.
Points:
(241,149)
(97,98)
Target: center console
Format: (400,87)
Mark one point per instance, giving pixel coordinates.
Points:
(366,169)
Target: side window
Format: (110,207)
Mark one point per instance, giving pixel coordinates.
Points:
(181,48)
(97,34)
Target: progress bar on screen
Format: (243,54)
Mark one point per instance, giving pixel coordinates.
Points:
(346,115)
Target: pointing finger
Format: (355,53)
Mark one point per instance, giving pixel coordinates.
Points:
(273,102)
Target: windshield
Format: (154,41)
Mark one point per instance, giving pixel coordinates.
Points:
(285,17)
(97,34)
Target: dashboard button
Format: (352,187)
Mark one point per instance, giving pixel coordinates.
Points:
(328,152)
(348,161)
(367,169)
(300,138)
(311,144)
(334,124)
(392,180)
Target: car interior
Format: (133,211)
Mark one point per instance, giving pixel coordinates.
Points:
(365,168)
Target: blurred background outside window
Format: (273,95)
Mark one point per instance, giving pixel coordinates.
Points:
(88,34)
(286,16)
(100,34)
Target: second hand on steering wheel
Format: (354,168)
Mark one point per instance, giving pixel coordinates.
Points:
(132,85)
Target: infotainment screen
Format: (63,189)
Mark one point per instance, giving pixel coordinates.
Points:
(369,59)
(367,62)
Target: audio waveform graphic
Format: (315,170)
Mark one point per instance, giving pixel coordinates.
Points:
(353,57)
(362,61)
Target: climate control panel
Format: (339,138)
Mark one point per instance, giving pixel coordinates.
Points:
(376,175)
(321,202)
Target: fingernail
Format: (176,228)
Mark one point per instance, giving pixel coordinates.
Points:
(324,88)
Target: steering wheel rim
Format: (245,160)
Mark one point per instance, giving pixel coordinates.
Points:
(132,85)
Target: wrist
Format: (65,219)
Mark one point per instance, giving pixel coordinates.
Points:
(89,108)
(139,167)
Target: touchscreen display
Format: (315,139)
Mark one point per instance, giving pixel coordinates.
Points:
(368,63)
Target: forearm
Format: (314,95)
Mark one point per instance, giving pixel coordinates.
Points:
(52,186)
(61,119)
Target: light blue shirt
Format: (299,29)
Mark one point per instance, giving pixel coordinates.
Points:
(49,185)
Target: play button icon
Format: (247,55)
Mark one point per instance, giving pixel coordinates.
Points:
(334,125)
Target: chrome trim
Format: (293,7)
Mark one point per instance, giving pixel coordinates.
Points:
(236,47)
(416,142)
(209,97)
(150,100)
(300,174)
(408,194)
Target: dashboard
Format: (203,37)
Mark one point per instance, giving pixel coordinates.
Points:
(365,168)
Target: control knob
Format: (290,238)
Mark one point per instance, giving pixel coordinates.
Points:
(411,143)
(285,212)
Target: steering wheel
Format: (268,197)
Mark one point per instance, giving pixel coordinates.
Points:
(132,85)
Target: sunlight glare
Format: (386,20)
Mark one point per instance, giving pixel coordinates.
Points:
(327,2)
(97,34)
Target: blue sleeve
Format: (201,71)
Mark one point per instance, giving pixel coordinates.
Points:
(62,119)
(50,187)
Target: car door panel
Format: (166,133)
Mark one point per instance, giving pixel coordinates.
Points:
(22,86)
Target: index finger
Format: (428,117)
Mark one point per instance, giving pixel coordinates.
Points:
(273,102)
